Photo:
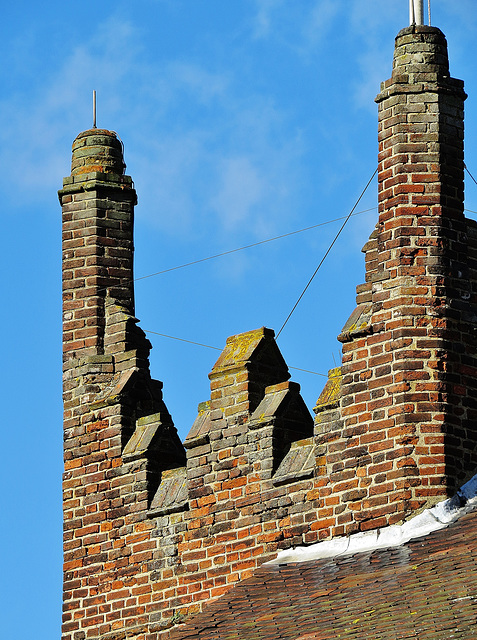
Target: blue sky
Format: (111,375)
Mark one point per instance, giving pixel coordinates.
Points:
(241,120)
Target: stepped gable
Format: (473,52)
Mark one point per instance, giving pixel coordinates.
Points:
(157,530)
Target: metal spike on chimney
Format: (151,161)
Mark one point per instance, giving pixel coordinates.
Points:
(416,12)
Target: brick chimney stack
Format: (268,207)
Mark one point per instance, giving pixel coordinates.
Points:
(98,209)
(119,438)
(408,375)
(422,288)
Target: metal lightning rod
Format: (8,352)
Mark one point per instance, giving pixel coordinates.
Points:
(94,109)
(416,12)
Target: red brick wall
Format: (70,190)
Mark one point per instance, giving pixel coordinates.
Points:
(403,400)
(155,528)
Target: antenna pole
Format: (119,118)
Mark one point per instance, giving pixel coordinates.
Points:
(429,10)
(94,109)
(416,12)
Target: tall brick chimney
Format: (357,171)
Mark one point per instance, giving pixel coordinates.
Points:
(408,399)
(118,435)
(98,208)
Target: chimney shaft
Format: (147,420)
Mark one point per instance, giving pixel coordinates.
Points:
(403,346)
(98,209)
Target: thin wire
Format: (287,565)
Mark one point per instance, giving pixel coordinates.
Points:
(208,346)
(248,246)
(327,251)
(315,373)
(346,218)
(465,167)
(199,344)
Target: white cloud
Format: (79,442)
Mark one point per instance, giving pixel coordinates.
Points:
(237,175)
(164,169)
(262,23)
(232,166)
(320,20)
(304,28)
(200,151)
(41,119)
(299,26)
(241,188)
(203,85)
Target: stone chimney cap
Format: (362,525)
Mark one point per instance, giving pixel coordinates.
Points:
(97,150)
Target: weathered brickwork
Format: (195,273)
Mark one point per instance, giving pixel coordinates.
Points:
(155,528)
(409,366)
